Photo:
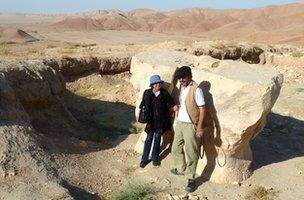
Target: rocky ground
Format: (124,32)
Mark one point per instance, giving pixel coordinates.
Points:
(86,138)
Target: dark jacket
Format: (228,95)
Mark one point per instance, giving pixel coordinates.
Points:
(158,109)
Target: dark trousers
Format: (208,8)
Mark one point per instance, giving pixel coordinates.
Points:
(148,144)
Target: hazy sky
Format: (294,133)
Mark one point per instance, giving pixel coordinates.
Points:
(68,6)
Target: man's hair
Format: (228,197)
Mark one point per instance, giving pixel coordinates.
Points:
(183,71)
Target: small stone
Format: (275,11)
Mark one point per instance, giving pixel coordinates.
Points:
(2,173)
(83,144)
(153,180)
(175,198)
(236,183)
(167,181)
(185,196)
(193,197)
(169,196)
(11,173)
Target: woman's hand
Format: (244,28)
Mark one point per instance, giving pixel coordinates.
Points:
(137,110)
(175,108)
(199,132)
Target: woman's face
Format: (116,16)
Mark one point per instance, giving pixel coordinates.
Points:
(156,87)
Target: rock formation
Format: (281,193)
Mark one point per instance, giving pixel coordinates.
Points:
(76,66)
(24,166)
(238,98)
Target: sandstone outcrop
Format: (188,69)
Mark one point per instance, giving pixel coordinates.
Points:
(24,166)
(238,98)
(39,89)
(77,66)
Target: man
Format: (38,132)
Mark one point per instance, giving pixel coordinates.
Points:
(188,129)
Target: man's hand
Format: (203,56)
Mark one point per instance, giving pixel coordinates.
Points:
(199,132)
(199,126)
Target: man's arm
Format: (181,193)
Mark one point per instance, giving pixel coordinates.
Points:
(200,101)
(199,127)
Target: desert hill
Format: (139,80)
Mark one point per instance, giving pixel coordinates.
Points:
(272,24)
(12,35)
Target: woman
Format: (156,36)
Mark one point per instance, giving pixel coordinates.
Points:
(158,103)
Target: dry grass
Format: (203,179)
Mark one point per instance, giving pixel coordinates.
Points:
(218,45)
(297,54)
(51,46)
(65,52)
(128,171)
(260,193)
(22,51)
(4,50)
(82,45)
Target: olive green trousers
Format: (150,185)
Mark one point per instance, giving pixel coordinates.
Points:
(185,148)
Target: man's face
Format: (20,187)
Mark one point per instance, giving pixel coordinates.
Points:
(184,81)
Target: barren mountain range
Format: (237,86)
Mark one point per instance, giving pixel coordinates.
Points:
(272,24)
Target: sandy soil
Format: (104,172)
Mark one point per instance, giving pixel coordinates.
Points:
(114,37)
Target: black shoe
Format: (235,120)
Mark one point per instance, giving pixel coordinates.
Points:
(143,164)
(156,163)
(175,172)
(190,185)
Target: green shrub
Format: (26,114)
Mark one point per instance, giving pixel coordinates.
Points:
(136,127)
(134,192)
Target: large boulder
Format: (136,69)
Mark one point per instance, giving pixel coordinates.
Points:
(238,98)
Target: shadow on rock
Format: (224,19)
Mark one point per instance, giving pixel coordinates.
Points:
(281,139)
(212,134)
